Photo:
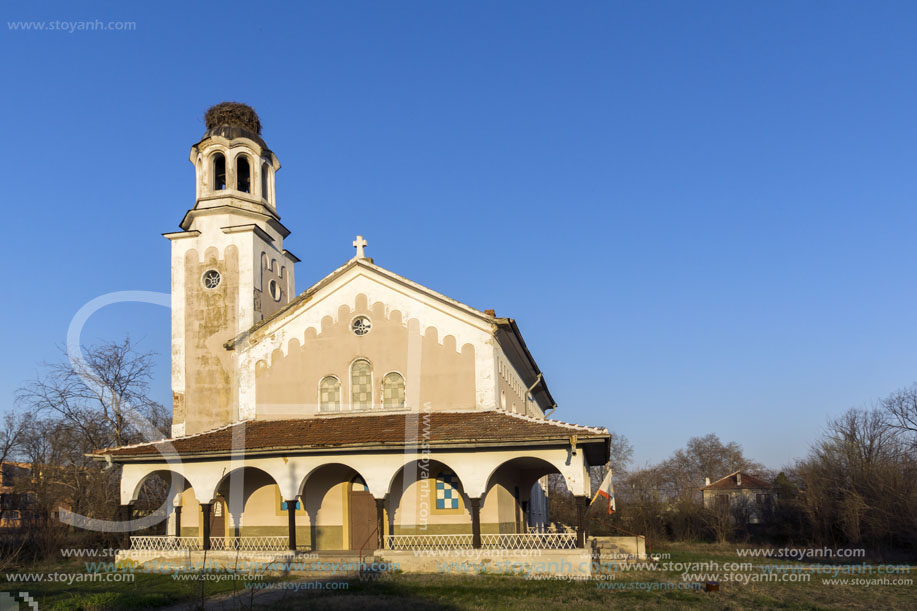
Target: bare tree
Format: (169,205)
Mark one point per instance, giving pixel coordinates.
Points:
(720,518)
(901,405)
(103,395)
(860,483)
(11,434)
(622,453)
(75,409)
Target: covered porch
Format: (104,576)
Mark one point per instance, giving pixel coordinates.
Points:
(446,492)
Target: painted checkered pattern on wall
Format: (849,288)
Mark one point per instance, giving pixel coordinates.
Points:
(447,495)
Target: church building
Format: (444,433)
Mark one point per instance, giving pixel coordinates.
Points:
(366,412)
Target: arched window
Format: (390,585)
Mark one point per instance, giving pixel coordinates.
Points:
(361,385)
(243,174)
(393,391)
(264,176)
(447,490)
(329,399)
(219,172)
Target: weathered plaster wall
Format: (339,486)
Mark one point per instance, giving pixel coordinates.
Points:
(211,321)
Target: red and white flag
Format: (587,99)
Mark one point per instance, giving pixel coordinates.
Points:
(607,491)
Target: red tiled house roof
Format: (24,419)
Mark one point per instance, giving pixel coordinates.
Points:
(731,482)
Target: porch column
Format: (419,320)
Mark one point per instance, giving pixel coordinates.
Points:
(127,513)
(380,523)
(582,505)
(291,522)
(177,521)
(205,519)
(475,522)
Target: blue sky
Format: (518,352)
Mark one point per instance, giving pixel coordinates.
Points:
(700,214)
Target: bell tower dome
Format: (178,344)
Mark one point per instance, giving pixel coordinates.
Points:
(229,267)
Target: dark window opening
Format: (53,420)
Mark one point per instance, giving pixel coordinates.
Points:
(219,172)
(243,174)
(264,172)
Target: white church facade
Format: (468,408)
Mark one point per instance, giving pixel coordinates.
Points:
(366,412)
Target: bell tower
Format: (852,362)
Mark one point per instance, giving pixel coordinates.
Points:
(229,267)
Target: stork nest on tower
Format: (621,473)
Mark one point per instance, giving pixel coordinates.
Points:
(233,113)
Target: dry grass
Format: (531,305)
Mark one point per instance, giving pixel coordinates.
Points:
(448,592)
(414,592)
(408,592)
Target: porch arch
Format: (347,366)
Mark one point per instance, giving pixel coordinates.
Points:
(530,465)
(508,493)
(177,483)
(251,497)
(411,504)
(352,465)
(163,515)
(133,476)
(416,463)
(339,507)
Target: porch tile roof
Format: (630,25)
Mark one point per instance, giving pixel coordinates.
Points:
(324,431)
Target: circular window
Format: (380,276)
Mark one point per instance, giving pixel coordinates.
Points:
(211,279)
(274,288)
(361,325)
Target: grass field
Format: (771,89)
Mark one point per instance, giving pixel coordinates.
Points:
(410,592)
(641,589)
(67,587)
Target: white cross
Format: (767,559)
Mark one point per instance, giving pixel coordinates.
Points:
(359,244)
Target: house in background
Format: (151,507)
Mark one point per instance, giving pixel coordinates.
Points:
(741,492)
(15,503)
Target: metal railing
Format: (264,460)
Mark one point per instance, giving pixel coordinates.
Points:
(244,544)
(529,541)
(509,541)
(250,544)
(166,544)
(546,540)
(409,542)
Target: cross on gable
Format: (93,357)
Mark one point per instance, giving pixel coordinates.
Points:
(360,244)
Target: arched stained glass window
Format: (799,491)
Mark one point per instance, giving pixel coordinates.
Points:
(361,385)
(330,394)
(393,391)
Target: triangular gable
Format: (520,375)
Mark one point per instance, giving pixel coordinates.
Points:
(386,283)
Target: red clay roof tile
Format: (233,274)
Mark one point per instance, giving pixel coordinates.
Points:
(343,431)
